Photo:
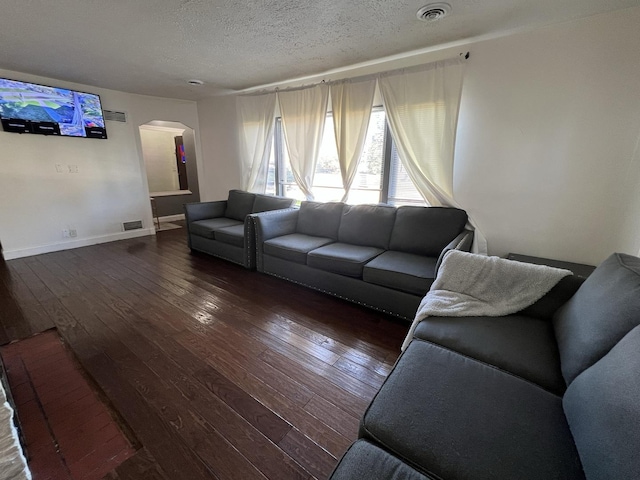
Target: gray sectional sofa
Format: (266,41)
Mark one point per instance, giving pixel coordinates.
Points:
(221,228)
(379,256)
(552,392)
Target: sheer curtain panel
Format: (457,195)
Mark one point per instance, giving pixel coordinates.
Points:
(422,111)
(303,115)
(351,104)
(256,117)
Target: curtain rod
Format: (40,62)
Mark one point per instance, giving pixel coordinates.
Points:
(463,55)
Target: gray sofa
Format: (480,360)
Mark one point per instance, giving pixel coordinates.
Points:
(221,228)
(379,256)
(552,392)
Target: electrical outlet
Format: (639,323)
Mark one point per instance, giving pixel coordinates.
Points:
(73,232)
(65,232)
(73,168)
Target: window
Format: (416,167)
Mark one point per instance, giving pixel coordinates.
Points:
(367,186)
(402,191)
(380,177)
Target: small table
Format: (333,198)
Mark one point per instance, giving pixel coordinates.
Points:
(154,211)
(578,269)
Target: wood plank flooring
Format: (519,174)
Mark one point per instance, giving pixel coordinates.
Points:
(219,372)
(68,430)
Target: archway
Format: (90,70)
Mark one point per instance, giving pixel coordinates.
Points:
(169,153)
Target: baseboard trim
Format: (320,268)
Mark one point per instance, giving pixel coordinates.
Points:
(82,242)
(172,218)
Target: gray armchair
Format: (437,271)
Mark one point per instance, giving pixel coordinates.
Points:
(222,229)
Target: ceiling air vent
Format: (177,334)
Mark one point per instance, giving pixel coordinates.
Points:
(433,12)
(136,225)
(115,116)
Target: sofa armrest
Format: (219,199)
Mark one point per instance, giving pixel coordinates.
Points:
(250,236)
(275,223)
(272,224)
(560,294)
(462,242)
(203,210)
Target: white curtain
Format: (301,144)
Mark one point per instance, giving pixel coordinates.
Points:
(351,103)
(256,118)
(303,115)
(422,107)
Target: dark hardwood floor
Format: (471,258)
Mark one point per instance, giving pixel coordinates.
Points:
(218,371)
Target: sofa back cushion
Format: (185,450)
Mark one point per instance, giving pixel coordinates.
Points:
(603,310)
(367,225)
(239,204)
(602,406)
(320,219)
(265,203)
(426,230)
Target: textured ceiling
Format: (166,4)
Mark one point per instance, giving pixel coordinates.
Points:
(153,46)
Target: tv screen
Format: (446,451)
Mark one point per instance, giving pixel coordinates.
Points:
(32,108)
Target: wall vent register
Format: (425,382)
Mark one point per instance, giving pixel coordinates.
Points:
(135,225)
(115,116)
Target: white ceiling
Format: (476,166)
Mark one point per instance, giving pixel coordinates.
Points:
(153,46)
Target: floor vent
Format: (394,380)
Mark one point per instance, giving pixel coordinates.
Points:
(115,116)
(132,225)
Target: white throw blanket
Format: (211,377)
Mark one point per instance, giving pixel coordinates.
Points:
(13,465)
(470,285)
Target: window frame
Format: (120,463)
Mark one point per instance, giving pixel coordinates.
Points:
(280,167)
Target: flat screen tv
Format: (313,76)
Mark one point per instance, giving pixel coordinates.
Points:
(32,108)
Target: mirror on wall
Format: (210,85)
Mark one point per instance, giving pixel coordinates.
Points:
(165,158)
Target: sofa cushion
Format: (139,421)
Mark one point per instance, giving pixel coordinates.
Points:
(342,258)
(426,230)
(519,344)
(320,219)
(205,228)
(294,247)
(364,460)
(603,310)
(367,225)
(239,204)
(266,203)
(601,405)
(451,416)
(401,271)
(231,235)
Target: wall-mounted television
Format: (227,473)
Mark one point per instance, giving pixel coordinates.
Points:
(32,108)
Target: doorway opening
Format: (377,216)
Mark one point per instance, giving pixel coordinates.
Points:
(164,158)
(169,153)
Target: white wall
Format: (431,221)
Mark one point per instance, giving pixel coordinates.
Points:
(159,153)
(219,134)
(547,157)
(630,233)
(37,203)
(549,122)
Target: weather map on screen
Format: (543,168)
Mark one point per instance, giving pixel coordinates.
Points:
(74,112)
